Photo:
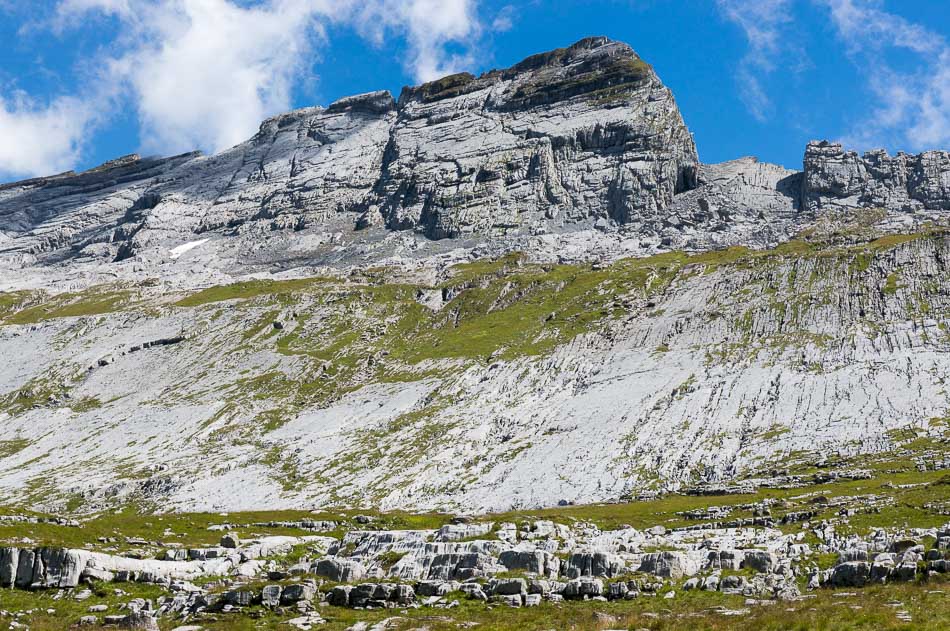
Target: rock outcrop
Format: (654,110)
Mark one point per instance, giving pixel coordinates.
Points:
(836,179)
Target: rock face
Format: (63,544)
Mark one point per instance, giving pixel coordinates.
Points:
(740,201)
(562,140)
(542,157)
(577,134)
(836,179)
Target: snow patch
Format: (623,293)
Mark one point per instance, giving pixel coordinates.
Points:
(184,247)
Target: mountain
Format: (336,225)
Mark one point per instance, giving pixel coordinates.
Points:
(510,290)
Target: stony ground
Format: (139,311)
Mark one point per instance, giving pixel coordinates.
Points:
(835,548)
(490,387)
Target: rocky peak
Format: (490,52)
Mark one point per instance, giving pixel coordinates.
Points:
(574,138)
(592,65)
(379,102)
(540,157)
(566,138)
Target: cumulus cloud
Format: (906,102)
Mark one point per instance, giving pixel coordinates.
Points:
(204,73)
(428,25)
(911,107)
(763,23)
(42,138)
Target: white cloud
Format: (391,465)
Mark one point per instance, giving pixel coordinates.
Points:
(762,22)
(204,73)
(504,19)
(429,26)
(862,25)
(42,138)
(911,107)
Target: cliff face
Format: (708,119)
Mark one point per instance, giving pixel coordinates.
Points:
(566,137)
(559,141)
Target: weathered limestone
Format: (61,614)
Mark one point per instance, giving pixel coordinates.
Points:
(836,179)
(9,561)
(851,574)
(538,562)
(339,570)
(668,564)
(595,563)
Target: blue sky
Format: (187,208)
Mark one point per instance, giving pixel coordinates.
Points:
(84,81)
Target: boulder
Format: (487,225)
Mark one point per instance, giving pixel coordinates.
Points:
(141,620)
(617,591)
(403,595)
(473,591)
(9,560)
(537,586)
(725,559)
(339,570)
(457,532)
(239,597)
(339,596)
(851,574)
(230,541)
(512,600)
(537,562)
(297,592)
(62,567)
(435,588)
(941,565)
(759,560)
(24,572)
(93,574)
(879,572)
(668,564)
(361,594)
(508,586)
(584,587)
(592,564)
(902,545)
(270,595)
(462,565)
(852,554)
(732,583)
(904,572)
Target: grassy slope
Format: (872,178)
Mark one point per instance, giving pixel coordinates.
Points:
(345,333)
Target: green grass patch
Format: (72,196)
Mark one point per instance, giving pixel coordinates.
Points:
(93,301)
